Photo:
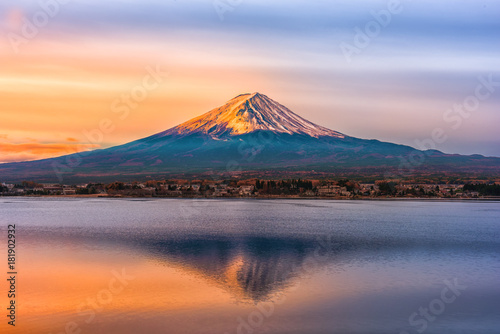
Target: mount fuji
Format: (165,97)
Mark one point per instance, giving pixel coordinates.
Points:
(250,135)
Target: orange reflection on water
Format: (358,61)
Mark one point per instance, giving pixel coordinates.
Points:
(61,285)
(205,286)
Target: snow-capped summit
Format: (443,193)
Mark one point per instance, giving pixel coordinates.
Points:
(247,113)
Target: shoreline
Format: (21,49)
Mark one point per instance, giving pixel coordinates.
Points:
(491,199)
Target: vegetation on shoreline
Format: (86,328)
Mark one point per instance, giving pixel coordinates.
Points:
(340,188)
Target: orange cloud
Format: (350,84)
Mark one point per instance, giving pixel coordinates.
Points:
(10,152)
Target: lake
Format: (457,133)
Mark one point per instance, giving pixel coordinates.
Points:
(253,266)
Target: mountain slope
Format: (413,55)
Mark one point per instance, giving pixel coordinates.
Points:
(252,135)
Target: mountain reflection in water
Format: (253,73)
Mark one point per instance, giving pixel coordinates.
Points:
(250,268)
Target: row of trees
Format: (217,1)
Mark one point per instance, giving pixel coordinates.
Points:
(90,189)
(287,187)
(484,189)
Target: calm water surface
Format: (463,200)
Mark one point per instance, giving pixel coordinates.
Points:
(254,266)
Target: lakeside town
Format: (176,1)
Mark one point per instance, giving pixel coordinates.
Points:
(291,188)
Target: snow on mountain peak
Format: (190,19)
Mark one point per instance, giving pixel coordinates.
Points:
(248,113)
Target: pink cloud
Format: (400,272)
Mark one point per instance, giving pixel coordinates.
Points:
(14,18)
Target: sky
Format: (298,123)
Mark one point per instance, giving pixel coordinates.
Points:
(85,74)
